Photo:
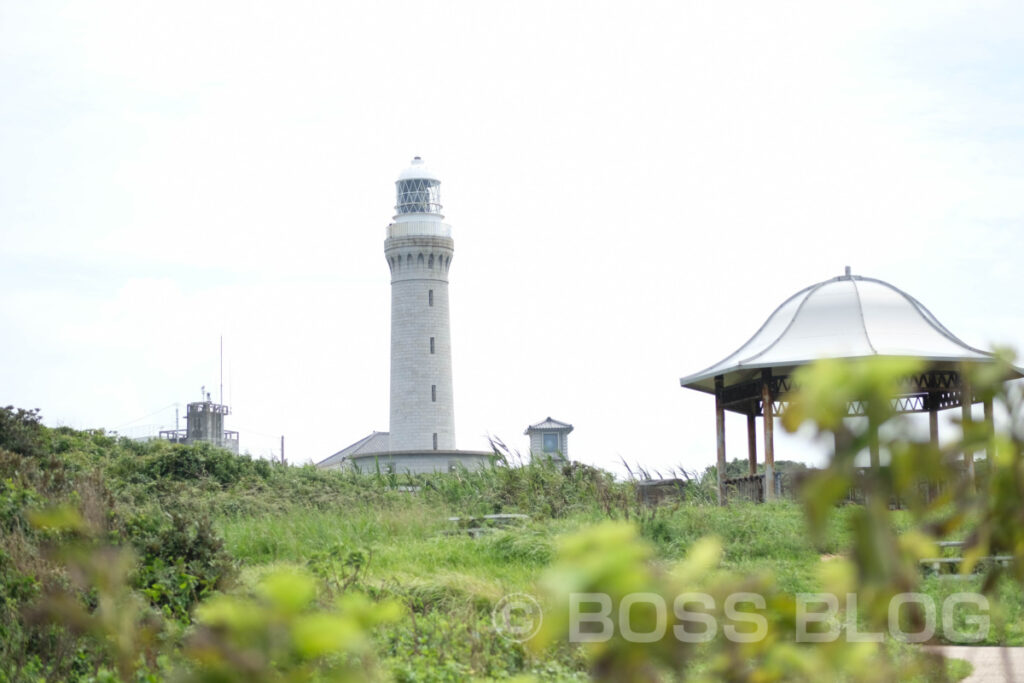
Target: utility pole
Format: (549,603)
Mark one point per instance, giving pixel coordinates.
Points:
(282,449)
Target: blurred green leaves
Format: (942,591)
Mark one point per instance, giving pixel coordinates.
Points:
(827,387)
(612,560)
(281,633)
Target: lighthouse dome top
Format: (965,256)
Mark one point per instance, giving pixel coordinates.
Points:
(417,168)
(849,316)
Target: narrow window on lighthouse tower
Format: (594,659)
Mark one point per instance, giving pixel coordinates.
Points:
(435,441)
(431,344)
(430,298)
(433,393)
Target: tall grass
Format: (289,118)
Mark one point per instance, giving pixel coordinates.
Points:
(414,543)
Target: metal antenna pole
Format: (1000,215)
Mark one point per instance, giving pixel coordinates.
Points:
(222,369)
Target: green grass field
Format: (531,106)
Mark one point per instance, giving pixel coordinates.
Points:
(199,526)
(416,556)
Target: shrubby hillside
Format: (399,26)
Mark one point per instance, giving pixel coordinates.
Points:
(132,561)
(164,527)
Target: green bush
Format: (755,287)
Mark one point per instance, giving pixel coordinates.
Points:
(199,461)
(281,633)
(22,432)
(181,560)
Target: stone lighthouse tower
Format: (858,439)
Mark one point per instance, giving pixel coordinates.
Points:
(419,251)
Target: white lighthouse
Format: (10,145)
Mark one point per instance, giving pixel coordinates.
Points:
(419,250)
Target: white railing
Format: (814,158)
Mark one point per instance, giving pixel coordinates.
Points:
(413,228)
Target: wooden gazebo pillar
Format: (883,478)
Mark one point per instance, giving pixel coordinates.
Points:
(990,431)
(933,419)
(720,431)
(768,414)
(873,445)
(752,438)
(966,401)
(933,435)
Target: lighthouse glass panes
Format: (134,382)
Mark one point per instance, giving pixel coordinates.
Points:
(419,195)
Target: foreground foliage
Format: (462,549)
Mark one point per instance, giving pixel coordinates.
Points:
(127,561)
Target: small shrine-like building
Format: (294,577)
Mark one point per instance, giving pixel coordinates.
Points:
(549,439)
(847,317)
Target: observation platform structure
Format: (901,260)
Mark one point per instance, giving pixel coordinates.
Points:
(847,317)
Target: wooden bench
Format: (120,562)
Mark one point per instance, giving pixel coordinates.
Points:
(936,563)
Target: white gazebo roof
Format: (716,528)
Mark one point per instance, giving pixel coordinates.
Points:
(849,316)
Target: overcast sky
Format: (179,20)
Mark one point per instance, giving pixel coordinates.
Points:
(633,188)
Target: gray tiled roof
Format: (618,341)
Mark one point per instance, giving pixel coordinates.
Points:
(377,442)
(549,424)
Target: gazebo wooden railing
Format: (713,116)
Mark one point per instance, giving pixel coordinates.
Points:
(751,487)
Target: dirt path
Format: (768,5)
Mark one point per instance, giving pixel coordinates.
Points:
(991,664)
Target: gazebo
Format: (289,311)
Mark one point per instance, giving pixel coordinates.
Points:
(846,317)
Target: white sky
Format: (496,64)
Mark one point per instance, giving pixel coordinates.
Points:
(633,188)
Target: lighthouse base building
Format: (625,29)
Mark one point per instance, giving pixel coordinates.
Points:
(418,250)
(372,453)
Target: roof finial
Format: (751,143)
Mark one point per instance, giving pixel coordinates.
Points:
(847,271)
